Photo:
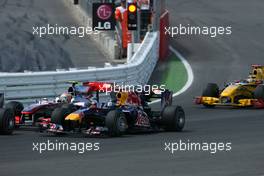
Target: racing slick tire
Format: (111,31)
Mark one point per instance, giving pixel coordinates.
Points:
(173,118)
(7,121)
(2,100)
(116,123)
(211,90)
(259,92)
(16,107)
(58,115)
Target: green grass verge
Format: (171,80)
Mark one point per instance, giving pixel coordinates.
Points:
(175,76)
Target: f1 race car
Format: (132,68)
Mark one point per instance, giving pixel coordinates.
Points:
(7,118)
(118,113)
(40,112)
(244,93)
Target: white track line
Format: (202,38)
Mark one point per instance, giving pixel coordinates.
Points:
(189,73)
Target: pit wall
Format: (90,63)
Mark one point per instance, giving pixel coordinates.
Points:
(164,39)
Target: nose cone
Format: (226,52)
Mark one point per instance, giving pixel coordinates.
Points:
(229,91)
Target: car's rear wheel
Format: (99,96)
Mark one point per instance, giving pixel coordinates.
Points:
(116,123)
(16,107)
(211,90)
(259,92)
(173,118)
(7,121)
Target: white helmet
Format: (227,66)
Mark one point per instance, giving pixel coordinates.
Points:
(65,98)
(94,101)
(57,99)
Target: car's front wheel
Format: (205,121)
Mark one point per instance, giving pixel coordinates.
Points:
(211,90)
(58,116)
(15,106)
(259,92)
(7,121)
(116,123)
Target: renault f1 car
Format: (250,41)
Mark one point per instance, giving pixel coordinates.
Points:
(117,114)
(244,93)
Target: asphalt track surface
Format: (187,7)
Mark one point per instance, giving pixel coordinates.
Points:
(213,60)
(21,50)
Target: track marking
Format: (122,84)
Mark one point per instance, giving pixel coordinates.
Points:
(189,73)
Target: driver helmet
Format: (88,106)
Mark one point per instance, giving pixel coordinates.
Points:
(44,100)
(110,103)
(57,99)
(94,101)
(65,98)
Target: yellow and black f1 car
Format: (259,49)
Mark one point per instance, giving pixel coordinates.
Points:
(244,93)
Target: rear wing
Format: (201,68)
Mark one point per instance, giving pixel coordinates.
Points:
(158,93)
(165,96)
(2,100)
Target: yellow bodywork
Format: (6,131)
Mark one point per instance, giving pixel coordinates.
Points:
(73,117)
(216,102)
(234,95)
(238,94)
(209,100)
(245,90)
(245,102)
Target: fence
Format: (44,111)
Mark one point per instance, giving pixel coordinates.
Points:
(33,85)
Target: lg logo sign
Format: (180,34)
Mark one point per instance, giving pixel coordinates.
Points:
(103,16)
(104,12)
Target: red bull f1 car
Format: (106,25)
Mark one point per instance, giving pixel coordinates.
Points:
(118,113)
(243,93)
(14,115)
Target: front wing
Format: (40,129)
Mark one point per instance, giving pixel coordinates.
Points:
(212,101)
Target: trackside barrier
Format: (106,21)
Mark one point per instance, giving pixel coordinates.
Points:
(164,39)
(30,86)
